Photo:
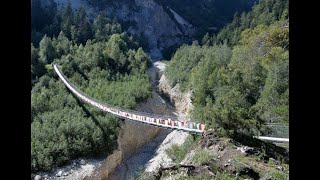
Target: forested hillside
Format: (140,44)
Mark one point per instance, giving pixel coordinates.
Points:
(47,19)
(265,12)
(99,59)
(239,78)
(208,15)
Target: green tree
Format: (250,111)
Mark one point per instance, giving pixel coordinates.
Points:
(62,45)
(37,68)
(273,106)
(141,62)
(99,27)
(83,26)
(67,20)
(206,39)
(46,50)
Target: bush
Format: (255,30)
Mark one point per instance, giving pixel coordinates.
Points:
(178,153)
(202,157)
(278,175)
(224,175)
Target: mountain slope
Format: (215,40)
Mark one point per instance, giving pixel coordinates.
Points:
(154,22)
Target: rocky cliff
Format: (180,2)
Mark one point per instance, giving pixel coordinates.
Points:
(146,20)
(150,21)
(182,101)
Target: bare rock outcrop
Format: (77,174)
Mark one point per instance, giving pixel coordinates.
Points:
(182,101)
(145,19)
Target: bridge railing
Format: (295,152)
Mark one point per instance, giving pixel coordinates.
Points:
(280,130)
(114,109)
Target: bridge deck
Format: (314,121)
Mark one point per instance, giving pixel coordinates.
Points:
(142,117)
(162,121)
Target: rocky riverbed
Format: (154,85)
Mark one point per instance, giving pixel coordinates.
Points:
(149,157)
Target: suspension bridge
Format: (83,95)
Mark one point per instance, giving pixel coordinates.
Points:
(163,121)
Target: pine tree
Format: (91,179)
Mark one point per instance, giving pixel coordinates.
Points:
(99,27)
(206,39)
(67,20)
(46,50)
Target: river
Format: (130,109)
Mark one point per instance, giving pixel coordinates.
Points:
(137,162)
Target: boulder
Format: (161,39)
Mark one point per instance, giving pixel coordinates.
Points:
(280,168)
(59,174)
(248,150)
(82,162)
(267,177)
(226,164)
(248,171)
(206,171)
(38,177)
(209,138)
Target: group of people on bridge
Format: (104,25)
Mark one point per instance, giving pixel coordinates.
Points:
(151,120)
(164,122)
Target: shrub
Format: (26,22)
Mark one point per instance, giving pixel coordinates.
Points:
(202,157)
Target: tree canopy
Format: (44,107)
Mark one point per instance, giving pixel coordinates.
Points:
(100,60)
(239,86)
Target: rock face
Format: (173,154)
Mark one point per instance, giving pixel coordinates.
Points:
(152,22)
(209,138)
(182,101)
(161,158)
(144,19)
